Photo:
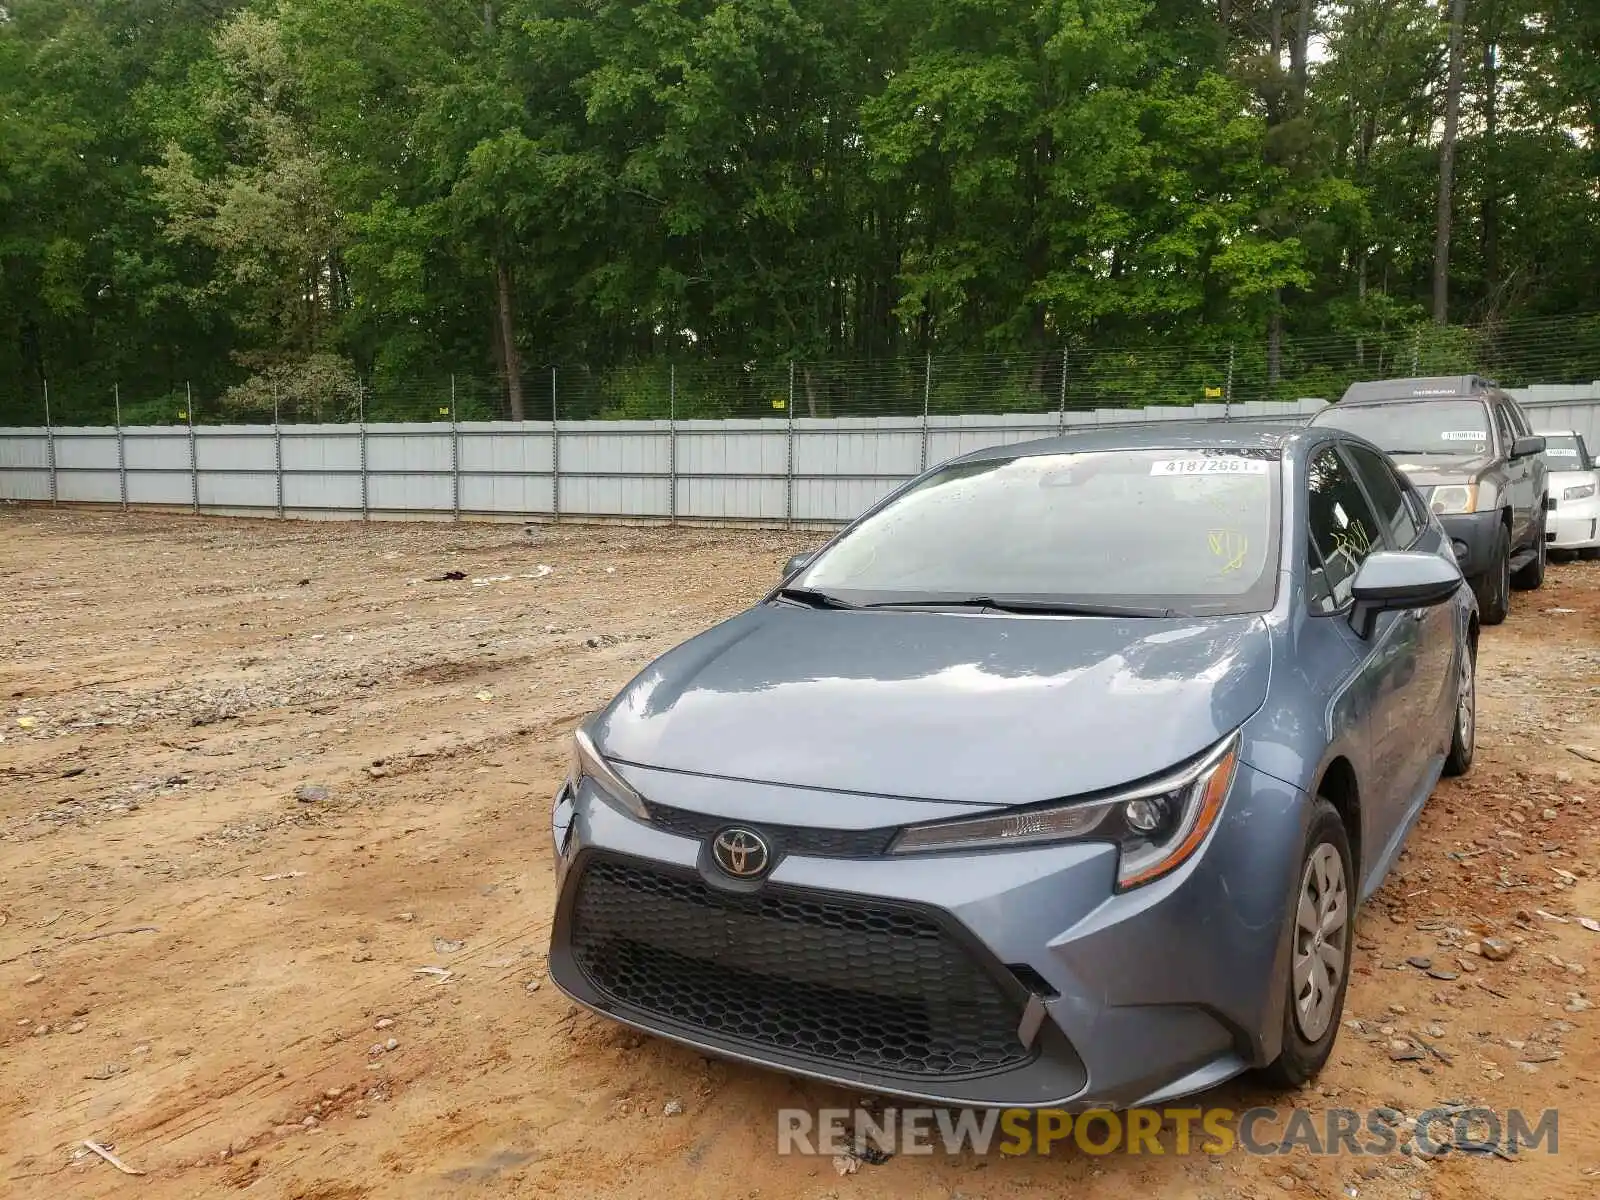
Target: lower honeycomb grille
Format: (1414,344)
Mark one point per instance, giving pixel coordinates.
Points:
(838,981)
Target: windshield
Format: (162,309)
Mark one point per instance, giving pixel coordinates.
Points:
(1455,427)
(1190,531)
(1566,452)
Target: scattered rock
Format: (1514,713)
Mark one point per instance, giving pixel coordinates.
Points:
(846,1164)
(77,1027)
(73,772)
(383,1023)
(333,1093)
(36,977)
(406,917)
(1404,1051)
(1588,753)
(1441,975)
(444,945)
(1419,962)
(309,1121)
(672,1108)
(1590,924)
(1578,1004)
(391,1044)
(532,985)
(1496,949)
(312,793)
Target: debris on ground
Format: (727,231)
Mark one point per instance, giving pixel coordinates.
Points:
(443,945)
(105,1153)
(312,793)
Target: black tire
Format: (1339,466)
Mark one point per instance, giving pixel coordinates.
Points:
(1589,553)
(1301,1058)
(1464,731)
(1530,578)
(1493,585)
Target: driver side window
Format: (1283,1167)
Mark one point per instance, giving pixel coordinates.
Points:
(1343,532)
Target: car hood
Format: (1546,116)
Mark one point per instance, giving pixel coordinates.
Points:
(1566,479)
(982,709)
(1432,470)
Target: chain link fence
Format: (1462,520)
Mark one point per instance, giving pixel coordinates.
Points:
(1073,377)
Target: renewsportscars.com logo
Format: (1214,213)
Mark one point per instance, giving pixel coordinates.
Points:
(1162,1131)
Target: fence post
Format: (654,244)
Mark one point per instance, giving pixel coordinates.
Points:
(788,457)
(1061,403)
(455,455)
(122,454)
(50,443)
(672,443)
(1227,388)
(277,451)
(361,429)
(194,460)
(927,393)
(555,455)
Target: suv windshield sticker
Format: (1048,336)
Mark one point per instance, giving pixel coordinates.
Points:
(1561,452)
(1465,435)
(1229,465)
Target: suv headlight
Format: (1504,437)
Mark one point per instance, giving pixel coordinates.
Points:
(1581,492)
(1157,826)
(1454,498)
(587,764)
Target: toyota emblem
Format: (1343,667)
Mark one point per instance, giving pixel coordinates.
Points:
(741,853)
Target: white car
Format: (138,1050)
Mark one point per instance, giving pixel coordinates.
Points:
(1573,522)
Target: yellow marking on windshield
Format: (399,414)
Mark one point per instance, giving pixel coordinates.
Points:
(1229,545)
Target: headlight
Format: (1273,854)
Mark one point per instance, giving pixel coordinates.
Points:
(1457,498)
(587,764)
(1156,826)
(1581,492)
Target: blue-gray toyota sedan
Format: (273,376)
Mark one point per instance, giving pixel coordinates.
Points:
(1054,780)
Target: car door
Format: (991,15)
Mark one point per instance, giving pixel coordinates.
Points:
(1519,472)
(1344,530)
(1422,641)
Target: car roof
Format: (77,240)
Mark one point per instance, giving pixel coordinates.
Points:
(1419,387)
(1166,435)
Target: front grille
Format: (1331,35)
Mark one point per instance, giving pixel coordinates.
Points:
(786,839)
(832,979)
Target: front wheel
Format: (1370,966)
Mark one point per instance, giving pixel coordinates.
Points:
(1323,937)
(1464,736)
(1493,585)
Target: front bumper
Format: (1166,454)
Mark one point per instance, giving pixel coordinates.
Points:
(1473,537)
(1119,1000)
(1573,524)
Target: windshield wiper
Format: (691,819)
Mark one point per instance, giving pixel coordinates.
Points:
(814,598)
(1066,608)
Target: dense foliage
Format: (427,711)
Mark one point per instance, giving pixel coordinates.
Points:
(254,198)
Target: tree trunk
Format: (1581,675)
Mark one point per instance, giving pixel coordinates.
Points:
(1447,163)
(1299,53)
(1275,344)
(1491,181)
(508,341)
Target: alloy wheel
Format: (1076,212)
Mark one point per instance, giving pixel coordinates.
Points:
(1322,930)
(1466,701)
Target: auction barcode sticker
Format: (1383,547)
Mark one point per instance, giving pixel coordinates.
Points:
(1463,435)
(1229,465)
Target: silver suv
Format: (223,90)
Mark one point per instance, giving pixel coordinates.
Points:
(1471,452)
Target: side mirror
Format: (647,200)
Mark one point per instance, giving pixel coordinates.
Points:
(795,563)
(1400,579)
(1525,447)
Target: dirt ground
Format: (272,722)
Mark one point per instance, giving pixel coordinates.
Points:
(255,774)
